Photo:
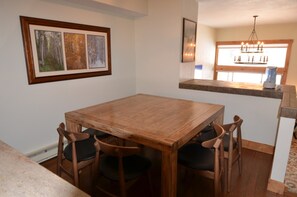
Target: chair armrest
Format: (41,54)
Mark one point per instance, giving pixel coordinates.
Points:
(217,143)
(74,136)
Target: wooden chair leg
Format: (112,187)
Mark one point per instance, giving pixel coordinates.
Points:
(222,178)
(229,170)
(240,164)
(149,179)
(58,170)
(75,174)
(216,187)
(122,186)
(59,163)
(222,183)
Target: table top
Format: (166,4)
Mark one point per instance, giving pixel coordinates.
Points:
(158,122)
(20,176)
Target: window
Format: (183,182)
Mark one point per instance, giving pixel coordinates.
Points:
(231,65)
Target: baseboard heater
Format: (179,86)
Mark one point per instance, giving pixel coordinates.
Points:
(44,153)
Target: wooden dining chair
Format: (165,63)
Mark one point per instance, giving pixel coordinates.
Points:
(206,159)
(119,164)
(232,145)
(80,151)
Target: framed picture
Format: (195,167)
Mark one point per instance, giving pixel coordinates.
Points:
(189,40)
(56,50)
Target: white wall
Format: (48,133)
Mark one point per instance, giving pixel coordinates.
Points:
(146,58)
(30,114)
(205,50)
(124,8)
(139,6)
(158,39)
(282,149)
(158,48)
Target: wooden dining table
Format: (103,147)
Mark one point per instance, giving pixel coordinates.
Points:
(162,123)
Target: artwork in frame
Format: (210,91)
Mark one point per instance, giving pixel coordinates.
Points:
(189,40)
(57,50)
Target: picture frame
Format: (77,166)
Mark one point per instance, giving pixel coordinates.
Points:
(189,40)
(56,50)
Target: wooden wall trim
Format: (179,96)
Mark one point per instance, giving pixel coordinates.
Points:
(264,148)
(276,187)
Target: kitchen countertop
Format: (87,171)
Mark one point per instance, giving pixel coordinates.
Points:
(287,93)
(20,176)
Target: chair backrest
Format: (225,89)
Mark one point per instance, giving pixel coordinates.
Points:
(233,146)
(217,145)
(238,121)
(109,149)
(70,136)
(220,133)
(114,150)
(231,127)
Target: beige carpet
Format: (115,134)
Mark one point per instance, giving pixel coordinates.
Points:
(291,173)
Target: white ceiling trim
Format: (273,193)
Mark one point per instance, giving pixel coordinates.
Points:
(231,13)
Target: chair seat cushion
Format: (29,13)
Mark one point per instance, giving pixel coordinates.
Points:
(206,134)
(134,166)
(85,150)
(196,157)
(209,133)
(99,134)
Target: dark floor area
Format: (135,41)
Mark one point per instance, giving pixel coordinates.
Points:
(252,182)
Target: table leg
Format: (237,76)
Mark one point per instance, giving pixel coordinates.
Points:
(169,173)
(220,118)
(72,126)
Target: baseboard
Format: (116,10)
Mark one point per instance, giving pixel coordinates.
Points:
(44,153)
(50,151)
(264,148)
(276,187)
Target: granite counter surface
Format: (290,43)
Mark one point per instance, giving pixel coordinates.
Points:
(20,176)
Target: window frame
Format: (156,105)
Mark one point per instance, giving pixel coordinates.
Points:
(250,69)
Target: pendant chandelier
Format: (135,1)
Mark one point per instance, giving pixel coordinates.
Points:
(251,51)
(253,45)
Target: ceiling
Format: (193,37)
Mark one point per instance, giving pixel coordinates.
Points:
(231,13)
